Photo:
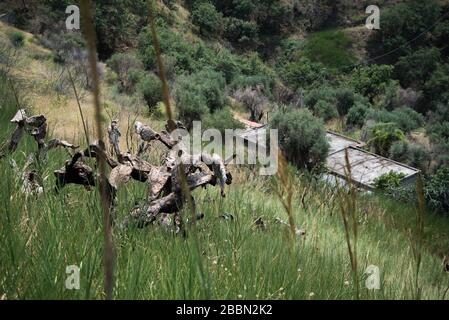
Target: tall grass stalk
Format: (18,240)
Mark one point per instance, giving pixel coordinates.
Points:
(72,82)
(171,126)
(348,208)
(90,37)
(284,189)
(418,235)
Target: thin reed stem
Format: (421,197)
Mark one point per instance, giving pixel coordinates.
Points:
(348,208)
(418,237)
(172,126)
(108,257)
(86,134)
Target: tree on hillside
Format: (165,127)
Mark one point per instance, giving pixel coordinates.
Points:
(199,94)
(123,65)
(208,19)
(254,100)
(372,80)
(302,137)
(382,137)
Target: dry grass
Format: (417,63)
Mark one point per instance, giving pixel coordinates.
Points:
(40,75)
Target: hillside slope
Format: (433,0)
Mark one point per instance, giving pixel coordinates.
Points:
(246,249)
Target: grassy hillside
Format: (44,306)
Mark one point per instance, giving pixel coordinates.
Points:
(39,237)
(248,256)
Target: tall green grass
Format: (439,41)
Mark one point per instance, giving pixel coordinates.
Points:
(39,237)
(331,47)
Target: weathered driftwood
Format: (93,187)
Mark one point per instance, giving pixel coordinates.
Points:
(165,193)
(76,172)
(19,119)
(114,137)
(36,126)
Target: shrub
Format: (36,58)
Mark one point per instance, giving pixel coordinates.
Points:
(382,137)
(221,120)
(198,94)
(254,100)
(241,33)
(357,115)
(190,105)
(437,87)
(313,96)
(150,88)
(388,181)
(208,19)
(325,110)
(303,73)
(252,82)
(399,151)
(371,81)
(388,98)
(302,137)
(411,154)
(116,23)
(126,66)
(415,68)
(405,118)
(418,157)
(328,103)
(345,98)
(438,124)
(17,38)
(331,48)
(172,44)
(437,190)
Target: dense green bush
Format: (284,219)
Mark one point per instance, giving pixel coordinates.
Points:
(438,131)
(438,124)
(331,102)
(324,93)
(401,23)
(418,157)
(331,48)
(302,137)
(437,190)
(150,88)
(303,73)
(199,94)
(17,38)
(388,181)
(221,120)
(116,22)
(388,98)
(399,151)
(437,87)
(416,68)
(405,118)
(382,136)
(325,110)
(357,115)
(272,17)
(372,80)
(127,67)
(208,19)
(241,33)
(411,154)
(172,45)
(345,100)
